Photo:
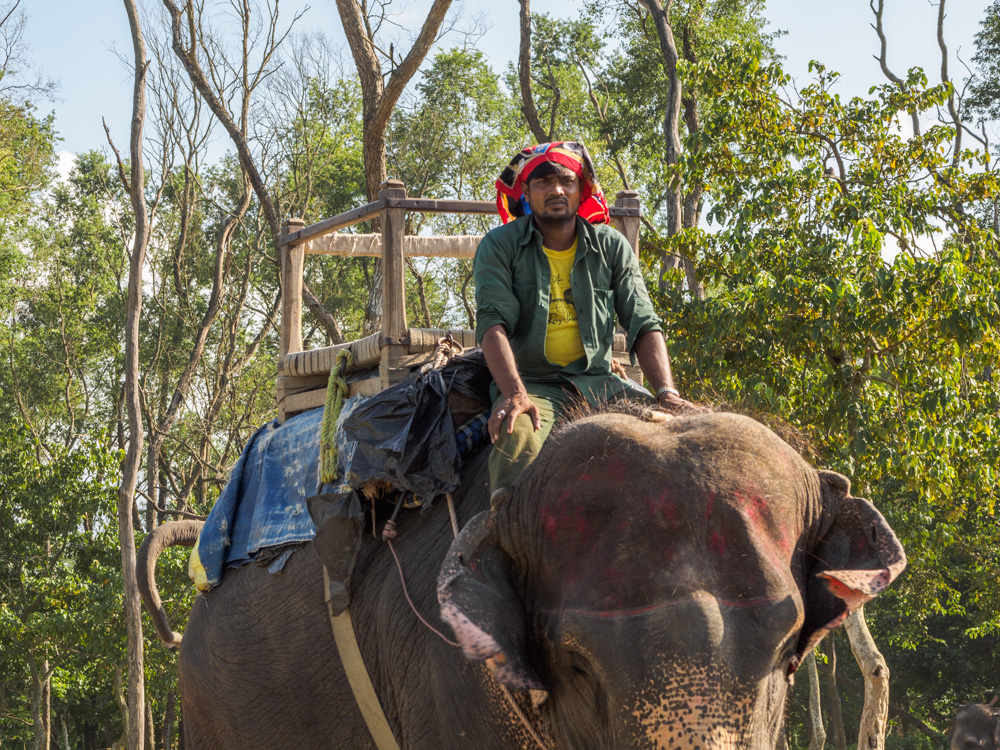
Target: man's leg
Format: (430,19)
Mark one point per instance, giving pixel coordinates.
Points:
(513,453)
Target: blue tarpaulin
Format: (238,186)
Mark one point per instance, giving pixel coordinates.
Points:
(264,503)
(396,437)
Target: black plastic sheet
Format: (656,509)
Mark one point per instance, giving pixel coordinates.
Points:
(405,435)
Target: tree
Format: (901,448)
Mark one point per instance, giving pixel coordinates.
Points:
(198,50)
(448,140)
(315,110)
(658,61)
(984,91)
(983,100)
(884,356)
(135,184)
(26,141)
(817,733)
(524,75)
(55,519)
(380,90)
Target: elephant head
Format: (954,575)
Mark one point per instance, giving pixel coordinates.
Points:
(976,726)
(662,580)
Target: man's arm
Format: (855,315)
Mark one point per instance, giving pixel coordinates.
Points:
(503,368)
(651,351)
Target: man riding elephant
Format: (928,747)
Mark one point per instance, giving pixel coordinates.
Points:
(549,284)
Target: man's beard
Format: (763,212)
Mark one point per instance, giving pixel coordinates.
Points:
(558,220)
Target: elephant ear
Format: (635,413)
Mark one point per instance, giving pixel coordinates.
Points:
(480,604)
(855,560)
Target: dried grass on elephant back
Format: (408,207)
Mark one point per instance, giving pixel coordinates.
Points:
(796,438)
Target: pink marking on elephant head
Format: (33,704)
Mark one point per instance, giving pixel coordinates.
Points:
(663,508)
(616,471)
(719,543)
(709,504)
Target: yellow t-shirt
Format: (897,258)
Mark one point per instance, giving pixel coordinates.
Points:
(562,334)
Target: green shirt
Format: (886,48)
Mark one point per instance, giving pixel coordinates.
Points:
(512,289)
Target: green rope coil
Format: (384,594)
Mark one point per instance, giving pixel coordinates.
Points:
(336,392)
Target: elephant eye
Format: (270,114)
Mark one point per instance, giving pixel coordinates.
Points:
(580,665)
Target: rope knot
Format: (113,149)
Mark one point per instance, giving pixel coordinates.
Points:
(447,348)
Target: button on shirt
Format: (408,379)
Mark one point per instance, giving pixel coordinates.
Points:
(511,273)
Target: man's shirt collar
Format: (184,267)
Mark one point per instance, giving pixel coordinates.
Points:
(583,228)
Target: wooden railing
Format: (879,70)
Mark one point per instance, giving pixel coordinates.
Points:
(389,355)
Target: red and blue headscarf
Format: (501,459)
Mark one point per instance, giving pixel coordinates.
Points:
(511,202)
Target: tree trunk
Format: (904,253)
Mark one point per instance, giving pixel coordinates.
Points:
(524,76)
(38,679)
(65,732)
(118,686)
(150,732)
(817,734)
(839,736)
(47,703)
(133,455)
(672,115)
(681,212)
(898,711)
(378,99)
(169,717)
(871,733)
(152,482)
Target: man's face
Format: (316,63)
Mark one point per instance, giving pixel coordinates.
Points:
(554,197)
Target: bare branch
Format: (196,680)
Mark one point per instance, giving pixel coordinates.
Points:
(135,725)
(524,75)
(211,94)
(323,315)
(604,120)
(882,57)
(952,109)
(118,158)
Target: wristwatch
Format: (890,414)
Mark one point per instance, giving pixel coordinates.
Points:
(667,389)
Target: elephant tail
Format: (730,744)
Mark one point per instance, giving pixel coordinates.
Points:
(170,534)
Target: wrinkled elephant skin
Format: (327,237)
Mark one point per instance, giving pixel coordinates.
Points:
(662,580)
(259,669)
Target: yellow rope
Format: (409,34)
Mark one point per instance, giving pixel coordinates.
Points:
(336,392)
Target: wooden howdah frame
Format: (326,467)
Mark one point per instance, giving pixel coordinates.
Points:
(388,356)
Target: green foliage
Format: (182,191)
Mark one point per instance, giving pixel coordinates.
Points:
(853,294)
(447,142)
(324,173)
(64,304)
(564,54)
(984,93)
(60,579)
(26,156)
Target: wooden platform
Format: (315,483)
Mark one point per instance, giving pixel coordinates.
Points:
(386,357)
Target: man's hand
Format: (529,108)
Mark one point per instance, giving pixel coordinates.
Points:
(673,403)
(508,410)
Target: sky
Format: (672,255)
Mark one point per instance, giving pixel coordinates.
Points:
(78,44)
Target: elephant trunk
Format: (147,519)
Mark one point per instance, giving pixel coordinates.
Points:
(170,534)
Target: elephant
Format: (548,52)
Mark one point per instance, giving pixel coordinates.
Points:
(653,581)
(976,726)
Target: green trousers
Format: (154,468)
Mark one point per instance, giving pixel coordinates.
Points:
(513,453)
